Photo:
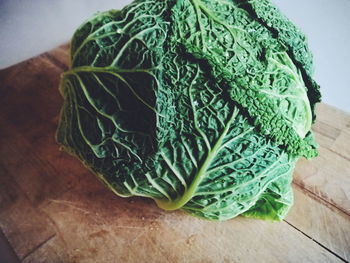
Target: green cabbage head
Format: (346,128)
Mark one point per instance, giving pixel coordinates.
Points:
(201,105)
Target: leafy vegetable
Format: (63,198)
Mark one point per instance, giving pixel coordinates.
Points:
(201,105)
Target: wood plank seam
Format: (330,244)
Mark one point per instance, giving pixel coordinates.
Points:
(55,61)
(320,199)
(318,243)
(339,154)
(52,221)
(320,127)
(38,246)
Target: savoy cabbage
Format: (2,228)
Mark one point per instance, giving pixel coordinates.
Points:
(201,105)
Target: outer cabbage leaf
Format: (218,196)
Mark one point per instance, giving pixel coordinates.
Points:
(269,16)
(243,54)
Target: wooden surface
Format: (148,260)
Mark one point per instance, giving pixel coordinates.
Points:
(53,210)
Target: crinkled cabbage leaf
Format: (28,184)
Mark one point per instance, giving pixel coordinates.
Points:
(201,105)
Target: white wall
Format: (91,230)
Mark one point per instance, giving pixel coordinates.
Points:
(30,27)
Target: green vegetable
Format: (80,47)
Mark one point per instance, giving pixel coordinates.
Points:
(201,105)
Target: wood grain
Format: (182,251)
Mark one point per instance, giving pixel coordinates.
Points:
(325,224)
(29,113)
(324,140)
(332,116)
(53,251)
(342,144)
(136,230)
(53,210)
(25,227)
(327,176)
(59,57)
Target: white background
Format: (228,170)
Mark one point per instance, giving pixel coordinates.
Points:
(30,27)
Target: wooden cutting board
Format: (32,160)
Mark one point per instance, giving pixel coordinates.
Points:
(53,210)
